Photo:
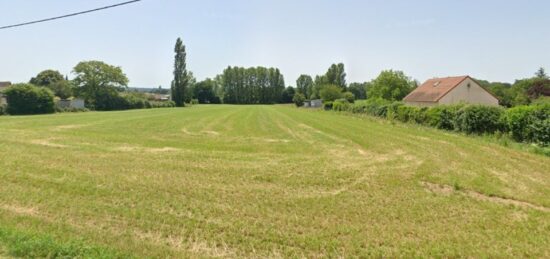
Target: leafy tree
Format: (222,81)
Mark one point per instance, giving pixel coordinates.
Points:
(304,85)
(349,96)
(204,91)
(335,75)
(62,89)
(29,99)
(391,85)
(330,93)
(252,85)
(541,73)
(359,90)
(46,78)
(288,95)
(95,78)
(299,99)
(540,87)
(180,84)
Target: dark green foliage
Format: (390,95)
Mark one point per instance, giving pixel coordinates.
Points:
(359,90)
(299,99)
(62,89)
(204,91)
(377,107)
(46,78)
(341,105)
(3,109)
(330,93)
(304,85)
(479,119)
(443,117)
(391,85)
(96,81)
(68,109)
(29,99)
(529,123)
(288,95)
(256,85)
(327,105)
(180,84)
(350,97)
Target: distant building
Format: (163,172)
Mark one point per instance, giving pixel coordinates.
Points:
(318,103)
(74,103)
(450,90)
(3,86)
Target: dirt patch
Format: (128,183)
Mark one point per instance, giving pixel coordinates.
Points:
(211,132)
(449,190)
(19,210)
(145,149)
(68,127)
(47,143)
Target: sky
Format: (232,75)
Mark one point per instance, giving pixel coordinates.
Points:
(496,40)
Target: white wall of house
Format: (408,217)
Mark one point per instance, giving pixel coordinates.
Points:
(469,92)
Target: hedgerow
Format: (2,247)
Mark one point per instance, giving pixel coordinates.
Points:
(524,123)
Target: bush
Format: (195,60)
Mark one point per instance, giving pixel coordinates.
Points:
(479,119)
(341,105)
(330,93)
(299,99)
(327,105)
(3,110)
(194,101)
(28,99)
(377,107)
(529,123)
(349,96)
(443,117)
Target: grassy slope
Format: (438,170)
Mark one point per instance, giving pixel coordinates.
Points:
(267,181)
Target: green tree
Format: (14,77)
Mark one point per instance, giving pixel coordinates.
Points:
(46,78)
(330,93)
(62,89)
(359,90)
(95,78)
(541,73)
(391,85)
(288,95)
(204,91)
(299,99)
(29,99)
(304,85)
(180,84)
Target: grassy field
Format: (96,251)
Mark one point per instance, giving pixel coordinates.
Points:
(263,181)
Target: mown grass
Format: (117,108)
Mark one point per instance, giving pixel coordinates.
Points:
(265,181)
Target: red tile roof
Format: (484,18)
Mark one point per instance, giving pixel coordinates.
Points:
(434,89)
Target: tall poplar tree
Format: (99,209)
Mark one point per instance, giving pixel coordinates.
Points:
(181,76)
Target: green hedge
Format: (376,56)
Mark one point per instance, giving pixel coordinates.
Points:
(24,99)
(529,123)
(524,123)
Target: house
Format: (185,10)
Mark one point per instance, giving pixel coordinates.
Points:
(3,86)
(318,103)
(75,103)
(450,90)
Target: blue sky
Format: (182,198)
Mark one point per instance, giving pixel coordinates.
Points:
(497,40)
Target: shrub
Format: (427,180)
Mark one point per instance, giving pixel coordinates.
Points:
(479,119)
(3,109)
(70,109)
(194,101)
(29,99)
(330,93)
(349,96)
(443,116)
(299,99)
(327,105)
(392,110)
(529,123)
(377,107)
(341,105)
